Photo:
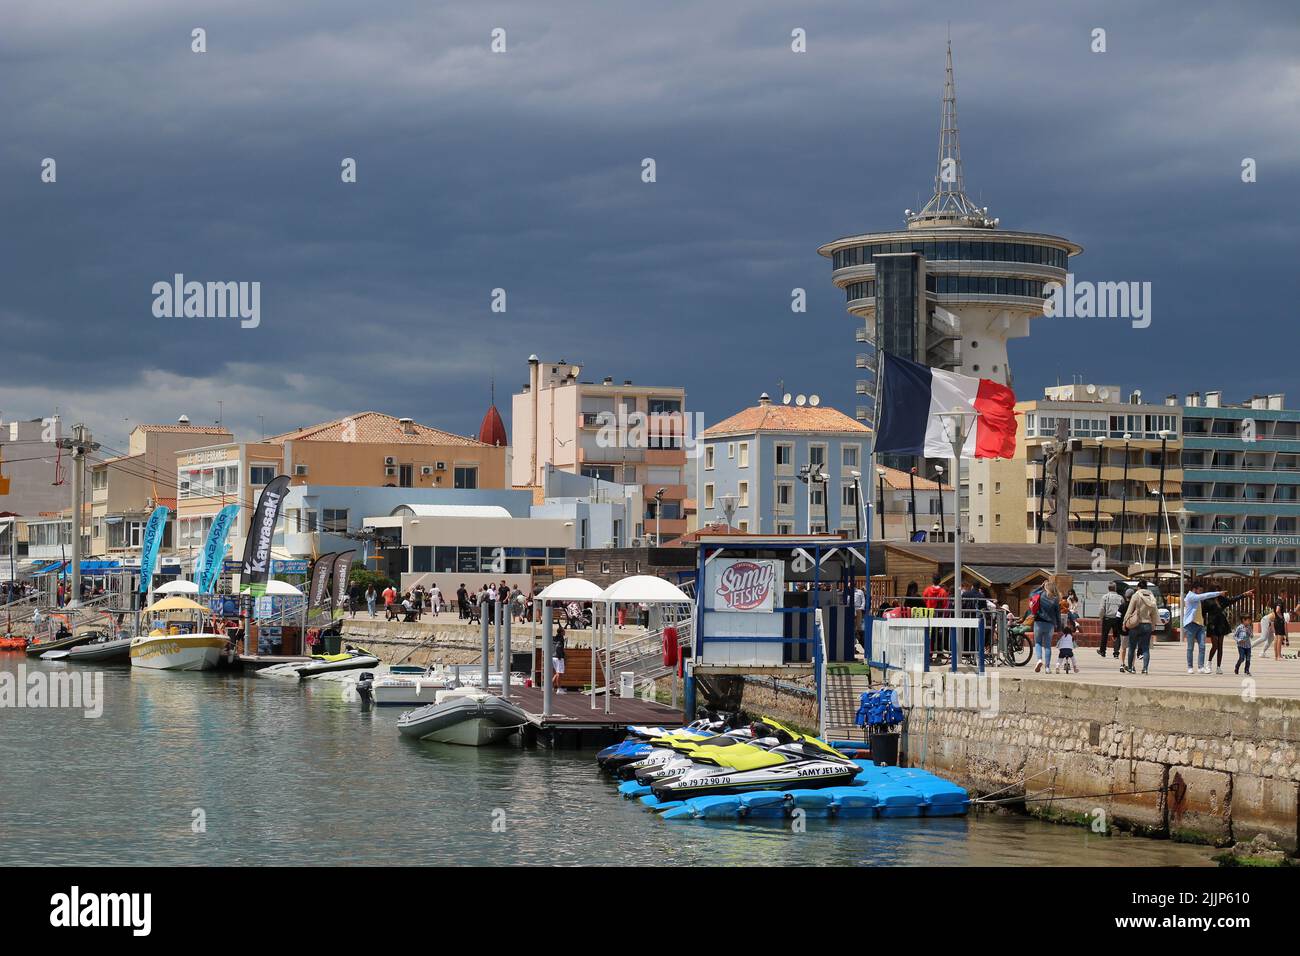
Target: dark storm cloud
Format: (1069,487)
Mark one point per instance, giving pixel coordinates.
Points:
(522,171)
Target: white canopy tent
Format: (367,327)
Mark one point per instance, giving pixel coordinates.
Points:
(637,589)
(177,587)
(571,589)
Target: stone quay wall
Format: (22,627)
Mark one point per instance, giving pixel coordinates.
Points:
(1206,768)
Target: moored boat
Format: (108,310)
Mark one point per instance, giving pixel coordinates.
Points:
(465,716)
(353,658)
(37,648)
(107,650)
(168,648)
(177,652)
(405,684)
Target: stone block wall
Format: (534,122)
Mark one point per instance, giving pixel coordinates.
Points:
(1210,768)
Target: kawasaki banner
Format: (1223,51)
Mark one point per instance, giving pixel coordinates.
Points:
(321,569)
(256,568)
(214,549)
(153,535)
(342,565)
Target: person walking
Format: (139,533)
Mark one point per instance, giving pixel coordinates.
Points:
(435,598)
(1218,626)
(1111,617)
(462,601)
(371,596)
(1194,624)
(1243,635)
(1045,610)
(1140,621)
(1279,629)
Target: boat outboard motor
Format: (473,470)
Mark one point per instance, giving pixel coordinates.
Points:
(365,682)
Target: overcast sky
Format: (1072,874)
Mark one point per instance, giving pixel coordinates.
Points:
(522,171)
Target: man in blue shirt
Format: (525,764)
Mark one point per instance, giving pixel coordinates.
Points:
(1194,624)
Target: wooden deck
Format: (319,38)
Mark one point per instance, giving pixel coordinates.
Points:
(574,724)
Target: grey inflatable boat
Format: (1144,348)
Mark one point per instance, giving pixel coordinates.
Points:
(114,650)
(464,716)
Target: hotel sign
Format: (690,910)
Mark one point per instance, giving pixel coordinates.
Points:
(1247,540)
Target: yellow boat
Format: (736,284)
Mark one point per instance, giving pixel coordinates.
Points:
(167,648)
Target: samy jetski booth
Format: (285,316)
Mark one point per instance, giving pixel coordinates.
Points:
(777,607)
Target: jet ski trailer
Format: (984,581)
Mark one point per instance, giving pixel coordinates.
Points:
(465,716)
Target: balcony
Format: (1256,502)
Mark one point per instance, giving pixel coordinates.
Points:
(671,492)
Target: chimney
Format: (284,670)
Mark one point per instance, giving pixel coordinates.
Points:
(1276,401)
(408,425)
(764,399)
(1193,399)
(627,381)
(1213,399)
(608,380)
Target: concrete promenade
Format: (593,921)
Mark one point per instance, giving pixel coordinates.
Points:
(1169,672)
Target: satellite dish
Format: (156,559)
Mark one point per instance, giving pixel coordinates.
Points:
(800,400)
(1091,389)
(1105,394)
(785,399)
(814,400)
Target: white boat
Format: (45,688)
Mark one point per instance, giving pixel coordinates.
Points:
(178,652)
(405,684)
(165,648)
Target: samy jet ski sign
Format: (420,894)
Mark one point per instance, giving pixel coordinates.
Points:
(744,585)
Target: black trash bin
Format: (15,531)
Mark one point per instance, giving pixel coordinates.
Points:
(884,748)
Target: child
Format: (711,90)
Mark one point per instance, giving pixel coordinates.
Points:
(1065,650)
(1243,635)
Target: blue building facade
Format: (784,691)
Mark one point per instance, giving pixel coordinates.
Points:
(749,470)
(1241,485)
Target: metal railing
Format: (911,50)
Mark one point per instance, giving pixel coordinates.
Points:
(642,656)
(913,636)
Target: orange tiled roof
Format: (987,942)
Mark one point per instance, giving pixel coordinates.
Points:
(373,428)
(898,480)
(787,418)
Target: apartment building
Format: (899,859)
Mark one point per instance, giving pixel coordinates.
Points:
(631,435)
(369,449)
(753,466)
(33,473)
(1116,509)
(1241,483)
(124,490)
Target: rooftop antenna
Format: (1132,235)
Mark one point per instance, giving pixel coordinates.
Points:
(950,206)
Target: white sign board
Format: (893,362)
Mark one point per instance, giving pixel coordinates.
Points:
(741,584)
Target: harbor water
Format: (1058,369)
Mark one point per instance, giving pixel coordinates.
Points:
(222,769)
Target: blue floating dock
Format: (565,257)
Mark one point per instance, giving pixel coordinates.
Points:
(875,792)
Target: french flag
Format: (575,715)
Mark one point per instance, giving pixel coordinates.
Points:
(911,396)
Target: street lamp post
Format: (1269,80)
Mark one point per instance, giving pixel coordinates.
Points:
(943,530)
(659,509)
(1123,515)
(1183,516)
(880,474)
(911,481)
(1160,513)
(1042,496)
(1096,493)
(805,475)
(823,479)
(858,505)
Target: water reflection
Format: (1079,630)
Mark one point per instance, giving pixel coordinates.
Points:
(290,774)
